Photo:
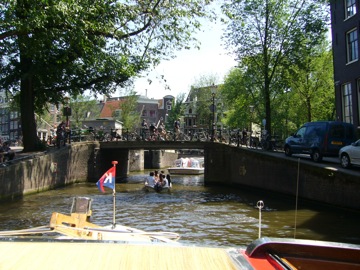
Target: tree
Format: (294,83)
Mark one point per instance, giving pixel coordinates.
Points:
(81,106)
(129,115)
(238,99)
(201,98)
(268,31)
(177,110)
(53,48)
(312,81)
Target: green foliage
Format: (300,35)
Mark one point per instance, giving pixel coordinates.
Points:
(265,35)
(81,106)
(177,111)
(129,115)
(53,48)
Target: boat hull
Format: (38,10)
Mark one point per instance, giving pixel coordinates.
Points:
(157,189)
(186,171)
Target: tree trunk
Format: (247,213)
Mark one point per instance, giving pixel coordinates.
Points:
(28,124)
(308,106)
(27,95)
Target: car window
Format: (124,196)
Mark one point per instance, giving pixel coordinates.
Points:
(300,133)
(314,131)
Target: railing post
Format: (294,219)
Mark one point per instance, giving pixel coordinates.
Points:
(238,137)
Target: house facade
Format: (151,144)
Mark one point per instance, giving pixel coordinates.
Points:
(152,110)
(203,109)
(345,26)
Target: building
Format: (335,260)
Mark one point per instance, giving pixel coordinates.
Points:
(10,123)
(345,26)
(203,109)
(152,110)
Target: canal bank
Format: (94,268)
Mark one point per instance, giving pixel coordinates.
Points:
(224,165)
(79,162)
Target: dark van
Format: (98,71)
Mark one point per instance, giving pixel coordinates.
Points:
(320,139)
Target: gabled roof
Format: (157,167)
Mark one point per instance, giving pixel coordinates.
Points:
(109,107)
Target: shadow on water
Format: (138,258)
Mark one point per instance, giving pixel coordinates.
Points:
(214,216)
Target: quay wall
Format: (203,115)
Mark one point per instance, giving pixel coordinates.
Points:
(224,165)
(78,162)
(47,170)
(276,174)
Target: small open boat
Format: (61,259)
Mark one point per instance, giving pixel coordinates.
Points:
(157,188)
(188,166)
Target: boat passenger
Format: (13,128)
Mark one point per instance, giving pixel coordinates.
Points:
(168,178)
(156,175)
(162,180)
(150,179)
(160,183)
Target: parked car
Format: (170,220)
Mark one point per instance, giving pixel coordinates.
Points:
(350,155)
(320,139)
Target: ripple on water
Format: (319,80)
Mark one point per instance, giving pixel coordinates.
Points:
(201,215)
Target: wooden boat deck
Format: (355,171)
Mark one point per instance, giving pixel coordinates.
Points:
(70,255)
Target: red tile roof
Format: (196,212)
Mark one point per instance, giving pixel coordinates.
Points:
(110,107)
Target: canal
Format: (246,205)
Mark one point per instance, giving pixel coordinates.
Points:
(208,216)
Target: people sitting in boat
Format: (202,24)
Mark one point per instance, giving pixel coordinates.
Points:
(156,176)
(163,181)
(168,177)
(160,183)
(150,180)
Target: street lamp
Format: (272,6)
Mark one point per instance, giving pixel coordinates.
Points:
(213,109)
(67,113)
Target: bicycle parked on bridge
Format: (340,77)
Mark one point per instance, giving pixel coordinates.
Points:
(270,143)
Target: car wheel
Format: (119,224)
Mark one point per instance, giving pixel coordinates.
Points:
(315,156)
(345,161)
(287,151)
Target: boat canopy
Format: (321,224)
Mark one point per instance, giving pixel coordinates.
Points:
(188,163)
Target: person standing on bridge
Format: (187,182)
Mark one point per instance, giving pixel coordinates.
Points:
(176,128)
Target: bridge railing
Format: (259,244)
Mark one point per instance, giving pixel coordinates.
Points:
(234,137)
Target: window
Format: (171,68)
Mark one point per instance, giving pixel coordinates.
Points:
(300,133)
(13,124)
(152,113)
(144,113)
(350,8)
(352,46)
(168,105)
(117,113)
(347,103)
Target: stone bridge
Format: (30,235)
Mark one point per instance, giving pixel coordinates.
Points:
(257,169)
(228,165)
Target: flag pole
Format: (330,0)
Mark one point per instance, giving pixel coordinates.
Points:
(114,195)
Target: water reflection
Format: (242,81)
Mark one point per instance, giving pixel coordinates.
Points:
(215,216)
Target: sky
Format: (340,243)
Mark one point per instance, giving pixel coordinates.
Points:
(189,65)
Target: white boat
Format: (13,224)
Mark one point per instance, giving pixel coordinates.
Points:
(188,166)
(157,188)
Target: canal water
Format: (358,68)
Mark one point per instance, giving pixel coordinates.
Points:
(207,216)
